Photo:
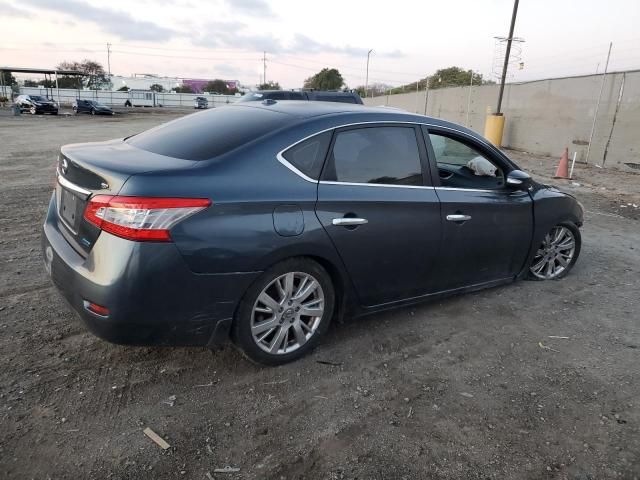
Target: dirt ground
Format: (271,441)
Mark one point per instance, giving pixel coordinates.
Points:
(534,380)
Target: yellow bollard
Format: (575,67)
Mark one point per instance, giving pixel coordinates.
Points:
(493,128)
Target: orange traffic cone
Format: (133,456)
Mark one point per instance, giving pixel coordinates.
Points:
(563,166)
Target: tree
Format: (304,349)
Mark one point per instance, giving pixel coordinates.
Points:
(156,87)
(183,89)
(219,86)
(7,79)
(270,85)
(325,79)
(216,86)
(373,89)
(94,75)
(454,77)
(30,83)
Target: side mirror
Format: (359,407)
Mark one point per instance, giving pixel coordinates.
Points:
(519,180)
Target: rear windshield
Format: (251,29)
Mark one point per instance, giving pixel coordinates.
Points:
(201,136)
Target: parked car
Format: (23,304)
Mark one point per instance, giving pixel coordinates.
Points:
(35,104)
(91,106)
(311,95)
(265,222)
(200,102)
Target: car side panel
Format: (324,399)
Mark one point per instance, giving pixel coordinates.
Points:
(248,190)
(550,207)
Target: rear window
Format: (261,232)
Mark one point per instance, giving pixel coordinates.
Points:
(205,135)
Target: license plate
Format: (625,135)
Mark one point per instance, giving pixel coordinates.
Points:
(69,204)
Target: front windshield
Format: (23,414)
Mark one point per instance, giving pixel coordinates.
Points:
(95,104)
(38,98)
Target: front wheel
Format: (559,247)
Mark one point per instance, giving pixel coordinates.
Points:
(93,112)
(557,254)
(285,312)
(33,110)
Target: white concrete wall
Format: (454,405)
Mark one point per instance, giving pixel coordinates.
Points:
(546,116)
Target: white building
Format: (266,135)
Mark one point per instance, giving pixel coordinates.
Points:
(143,81)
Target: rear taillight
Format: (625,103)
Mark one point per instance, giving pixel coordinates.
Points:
(141,218)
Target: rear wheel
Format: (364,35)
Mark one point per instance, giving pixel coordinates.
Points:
(557,254)
(285,312)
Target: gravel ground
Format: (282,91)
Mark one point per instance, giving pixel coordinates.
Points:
(528,381)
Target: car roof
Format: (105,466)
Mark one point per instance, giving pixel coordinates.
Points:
(304,110)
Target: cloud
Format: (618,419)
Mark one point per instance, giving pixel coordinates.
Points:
(256,8)
(303,44)
(231,35)
(11,11)
(111,21)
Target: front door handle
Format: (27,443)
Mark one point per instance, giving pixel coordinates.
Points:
(458,218)
(349,221)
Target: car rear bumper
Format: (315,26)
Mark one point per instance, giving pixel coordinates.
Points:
(152,296)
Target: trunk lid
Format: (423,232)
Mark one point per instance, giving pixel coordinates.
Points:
(98,168)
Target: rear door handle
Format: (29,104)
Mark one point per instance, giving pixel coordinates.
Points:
(349,221)
(458,218)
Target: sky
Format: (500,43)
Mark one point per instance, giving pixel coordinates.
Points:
(226,38)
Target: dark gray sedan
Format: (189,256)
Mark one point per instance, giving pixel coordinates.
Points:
(91,107)
(264,222)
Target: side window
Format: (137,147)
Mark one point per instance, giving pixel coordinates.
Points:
(309,155)
(379,155)
(463,166)
(277,95)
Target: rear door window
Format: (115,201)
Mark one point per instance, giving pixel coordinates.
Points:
(308,155)
(377,155)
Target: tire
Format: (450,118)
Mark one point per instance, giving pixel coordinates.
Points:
(33,111)
(93,112)
(75,110)
(54,113)
(282,326)
(560,253)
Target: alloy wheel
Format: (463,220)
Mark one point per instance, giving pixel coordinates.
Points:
(555,254)
(287,313)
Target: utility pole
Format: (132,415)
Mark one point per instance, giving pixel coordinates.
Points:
(595,114)
(469,96)
(264,67)
(366,82)
(109,59)
(507,53)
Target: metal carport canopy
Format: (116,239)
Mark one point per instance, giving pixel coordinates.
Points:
(48,71)
(45,71)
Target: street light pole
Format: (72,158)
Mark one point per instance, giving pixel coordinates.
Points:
(366,82)
(507,53)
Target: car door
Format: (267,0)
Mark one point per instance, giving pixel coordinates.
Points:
(376,203)
(487,227)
